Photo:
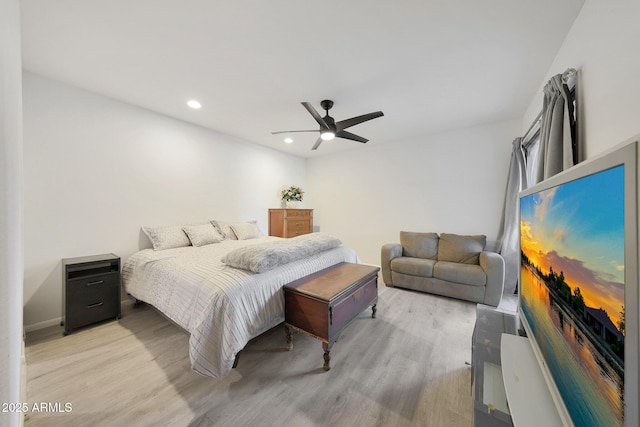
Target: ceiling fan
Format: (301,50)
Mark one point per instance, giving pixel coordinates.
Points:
(329,128)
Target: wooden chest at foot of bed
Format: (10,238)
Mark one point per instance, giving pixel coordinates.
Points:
(324,303)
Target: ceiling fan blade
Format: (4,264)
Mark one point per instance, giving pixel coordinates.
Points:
(352,136)
(317,144)
(343,124)
(315,115)
(293,131)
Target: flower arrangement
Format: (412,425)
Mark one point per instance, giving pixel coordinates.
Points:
(292,194)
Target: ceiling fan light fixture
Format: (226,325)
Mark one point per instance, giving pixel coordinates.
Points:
(327,135)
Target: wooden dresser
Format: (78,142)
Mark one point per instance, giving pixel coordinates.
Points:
(290,222)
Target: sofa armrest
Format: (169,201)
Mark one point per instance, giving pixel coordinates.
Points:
(388,252)
(493,265)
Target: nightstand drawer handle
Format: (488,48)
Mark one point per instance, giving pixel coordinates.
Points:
(97,282)
(98,304)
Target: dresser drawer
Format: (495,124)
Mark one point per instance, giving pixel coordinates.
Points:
(298,225)
(298,213)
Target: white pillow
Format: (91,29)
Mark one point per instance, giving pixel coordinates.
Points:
(245,230)
(202,234)
(224,229)
(167,237)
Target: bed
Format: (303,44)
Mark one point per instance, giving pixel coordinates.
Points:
(222,306)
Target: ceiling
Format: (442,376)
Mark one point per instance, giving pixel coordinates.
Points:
(430,65)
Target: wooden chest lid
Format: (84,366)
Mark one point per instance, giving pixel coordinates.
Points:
(329,283)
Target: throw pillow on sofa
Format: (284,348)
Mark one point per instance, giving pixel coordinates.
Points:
(419,245)
(461,249)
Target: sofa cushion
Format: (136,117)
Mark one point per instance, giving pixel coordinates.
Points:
(419,245)
(466,274)
(462,249)
(413,266)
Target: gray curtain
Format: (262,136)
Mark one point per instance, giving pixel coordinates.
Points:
(534,158)
(509,245)
(557,134)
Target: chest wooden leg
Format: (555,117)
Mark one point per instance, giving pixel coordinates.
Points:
(327,348)
(287,334)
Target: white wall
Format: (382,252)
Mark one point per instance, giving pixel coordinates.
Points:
(96,170)
(10,210)
(452,182)
(603,44)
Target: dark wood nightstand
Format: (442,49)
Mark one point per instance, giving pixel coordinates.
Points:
(91,290)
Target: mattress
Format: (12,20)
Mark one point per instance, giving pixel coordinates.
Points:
(221,307)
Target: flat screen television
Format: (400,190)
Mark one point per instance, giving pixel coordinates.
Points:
(578,296)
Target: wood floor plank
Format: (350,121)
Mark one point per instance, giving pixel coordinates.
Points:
(407,367)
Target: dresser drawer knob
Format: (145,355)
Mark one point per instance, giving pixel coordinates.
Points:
(97,282)
(98,304)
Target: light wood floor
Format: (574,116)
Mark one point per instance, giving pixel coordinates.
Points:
(407,367)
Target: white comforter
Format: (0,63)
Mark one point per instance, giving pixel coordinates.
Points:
(220,306)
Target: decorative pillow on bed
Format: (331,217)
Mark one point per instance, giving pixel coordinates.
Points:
(246,230)
(167,237)
(226,229)
(266,256)
(202,234)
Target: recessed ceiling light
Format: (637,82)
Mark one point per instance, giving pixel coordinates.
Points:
(288,140)
(194,104)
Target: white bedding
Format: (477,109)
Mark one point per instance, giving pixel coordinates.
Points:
(220,306)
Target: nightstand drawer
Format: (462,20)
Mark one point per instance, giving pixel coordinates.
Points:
(96,287)
(91,309)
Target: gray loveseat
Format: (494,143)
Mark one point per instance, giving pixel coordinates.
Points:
(451,265)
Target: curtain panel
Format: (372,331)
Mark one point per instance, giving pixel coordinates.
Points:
(558,148)
(535,157)
(509,241)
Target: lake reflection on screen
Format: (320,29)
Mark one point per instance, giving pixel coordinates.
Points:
(590,393)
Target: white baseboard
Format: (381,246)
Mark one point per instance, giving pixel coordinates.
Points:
(42,325)
(57,320)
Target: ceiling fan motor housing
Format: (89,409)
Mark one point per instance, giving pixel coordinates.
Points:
(326,105)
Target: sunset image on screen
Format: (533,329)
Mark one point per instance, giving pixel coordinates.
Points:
(578,229)
(572,290)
